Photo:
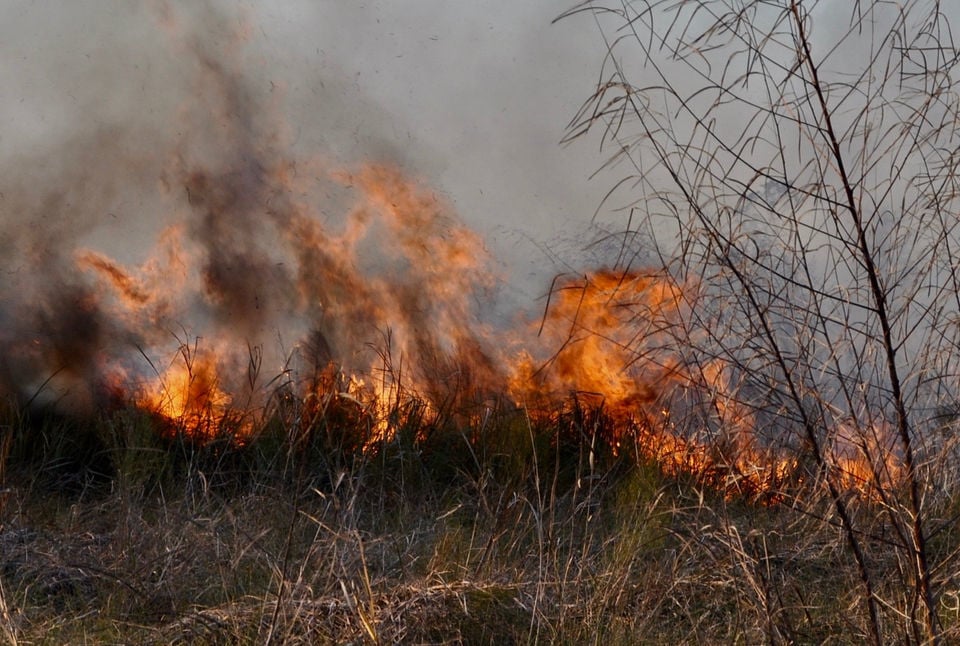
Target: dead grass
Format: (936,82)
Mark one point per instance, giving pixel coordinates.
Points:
(409,544)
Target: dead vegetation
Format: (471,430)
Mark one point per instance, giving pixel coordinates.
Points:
(526,533)
(806,207)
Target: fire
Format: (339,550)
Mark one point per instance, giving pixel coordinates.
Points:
(865,458)
(358,288)
(619,337)
(380,313)
(188,394)
(605,333)
(388,296)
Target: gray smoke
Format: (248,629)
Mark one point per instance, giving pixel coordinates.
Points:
(122,119)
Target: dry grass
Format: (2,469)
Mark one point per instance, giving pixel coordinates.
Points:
(523,538)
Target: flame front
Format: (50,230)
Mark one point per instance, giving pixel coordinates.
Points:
(389,299)
(605,334)
(188,393)
(279,273)
(383,311)
(618,338)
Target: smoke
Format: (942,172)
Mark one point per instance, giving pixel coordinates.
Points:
(179,172)
(197,198)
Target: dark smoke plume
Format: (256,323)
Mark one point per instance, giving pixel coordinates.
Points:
(183,217)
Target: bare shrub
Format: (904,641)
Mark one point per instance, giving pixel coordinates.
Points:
(797,162)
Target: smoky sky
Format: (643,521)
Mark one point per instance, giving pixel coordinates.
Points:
(472,97)
(120,120)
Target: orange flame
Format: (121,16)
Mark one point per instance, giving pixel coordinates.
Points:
(618,335)
(387,304)
(189,394)
(606,335)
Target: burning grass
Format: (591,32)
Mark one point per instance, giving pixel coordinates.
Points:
(336,446)
(313,525)
(289,420)
(408,474)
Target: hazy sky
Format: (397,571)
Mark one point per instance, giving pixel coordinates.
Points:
(477,95)
(472,96)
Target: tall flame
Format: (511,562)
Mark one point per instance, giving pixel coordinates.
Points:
(388,303)
(619,337)
(273,272)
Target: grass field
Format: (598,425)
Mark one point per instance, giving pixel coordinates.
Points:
(491,529)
